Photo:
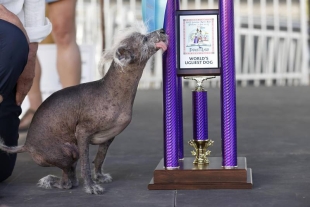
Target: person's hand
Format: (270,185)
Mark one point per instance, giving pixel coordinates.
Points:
(25,80)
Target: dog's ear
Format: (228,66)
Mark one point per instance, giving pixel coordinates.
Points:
(124,55)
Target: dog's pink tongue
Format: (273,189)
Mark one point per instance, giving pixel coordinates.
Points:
(161,45)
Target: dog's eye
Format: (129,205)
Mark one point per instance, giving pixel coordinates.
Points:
(144,39)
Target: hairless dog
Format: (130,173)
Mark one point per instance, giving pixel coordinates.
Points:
(71,119)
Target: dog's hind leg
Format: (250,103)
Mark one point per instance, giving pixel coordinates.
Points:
(67,181)
(100,157)
(48,181)
(66,159)
(51,181)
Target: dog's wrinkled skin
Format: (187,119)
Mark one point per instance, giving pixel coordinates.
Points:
(91,113)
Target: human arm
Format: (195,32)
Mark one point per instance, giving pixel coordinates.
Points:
(26,78)
(37,27)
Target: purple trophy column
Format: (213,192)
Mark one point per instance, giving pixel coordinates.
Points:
(228,87)
(180,120)
(200,115)
(170,92)
(180,109)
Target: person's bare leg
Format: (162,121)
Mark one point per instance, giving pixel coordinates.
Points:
(34,95)
(62,16)
(35,98)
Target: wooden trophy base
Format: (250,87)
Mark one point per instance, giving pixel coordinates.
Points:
(193,177)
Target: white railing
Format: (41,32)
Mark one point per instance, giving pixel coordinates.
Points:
(88,28)
(270,38)
(271,42)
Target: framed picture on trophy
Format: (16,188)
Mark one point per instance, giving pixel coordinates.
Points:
(197,34)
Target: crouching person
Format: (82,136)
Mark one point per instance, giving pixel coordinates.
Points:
(22,25)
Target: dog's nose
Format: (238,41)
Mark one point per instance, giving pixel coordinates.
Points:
(162,31)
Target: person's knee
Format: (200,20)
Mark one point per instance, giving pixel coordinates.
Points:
(64,34)
(13,59)
(62,15)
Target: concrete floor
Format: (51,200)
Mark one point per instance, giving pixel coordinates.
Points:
(273,134)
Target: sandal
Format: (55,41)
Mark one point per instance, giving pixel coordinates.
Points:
(26,120)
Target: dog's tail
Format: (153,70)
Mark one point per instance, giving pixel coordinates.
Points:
(17,149)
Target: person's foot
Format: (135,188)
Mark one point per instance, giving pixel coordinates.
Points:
(26,120)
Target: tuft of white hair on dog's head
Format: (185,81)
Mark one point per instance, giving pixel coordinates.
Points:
(109,54)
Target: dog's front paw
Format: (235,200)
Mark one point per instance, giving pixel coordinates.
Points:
(103,178)
(94,189)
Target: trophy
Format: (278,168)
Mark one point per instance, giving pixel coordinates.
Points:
(194,53)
